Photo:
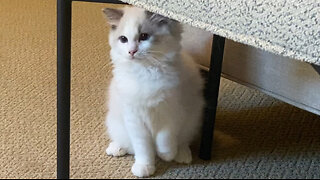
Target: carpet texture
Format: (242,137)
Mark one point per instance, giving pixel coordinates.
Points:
(289,28)
(256,136)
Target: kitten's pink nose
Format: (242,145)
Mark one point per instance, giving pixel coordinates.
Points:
(132,52)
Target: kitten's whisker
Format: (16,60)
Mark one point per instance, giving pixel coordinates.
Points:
(159,52)
(109,63)
(164,58)
(154,60)
(164,55)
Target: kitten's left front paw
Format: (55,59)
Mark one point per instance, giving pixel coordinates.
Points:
(143,170)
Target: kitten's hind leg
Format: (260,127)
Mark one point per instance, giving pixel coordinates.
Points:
(184,155)
(166,144)
(116,150)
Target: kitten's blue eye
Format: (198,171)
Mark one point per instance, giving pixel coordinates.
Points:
(123,39)
(144,36)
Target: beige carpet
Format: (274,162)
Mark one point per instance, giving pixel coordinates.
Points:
(256,136)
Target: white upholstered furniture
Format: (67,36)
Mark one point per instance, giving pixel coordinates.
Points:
(284,36)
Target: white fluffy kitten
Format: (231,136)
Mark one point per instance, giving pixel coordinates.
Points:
(155,96)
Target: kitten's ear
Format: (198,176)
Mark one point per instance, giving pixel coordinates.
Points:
(113,16)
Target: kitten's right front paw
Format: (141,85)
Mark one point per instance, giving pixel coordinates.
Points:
(115,150)
(143,170)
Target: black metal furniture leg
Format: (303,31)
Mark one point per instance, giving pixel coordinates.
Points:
(317,68)
(211,95)
(63,87)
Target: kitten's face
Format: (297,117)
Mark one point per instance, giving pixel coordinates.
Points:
(138,35)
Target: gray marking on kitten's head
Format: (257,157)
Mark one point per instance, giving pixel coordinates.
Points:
(152,23)
(155,21)
(113,16)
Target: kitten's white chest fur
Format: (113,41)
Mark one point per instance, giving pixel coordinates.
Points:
(149,85)
(155,97)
